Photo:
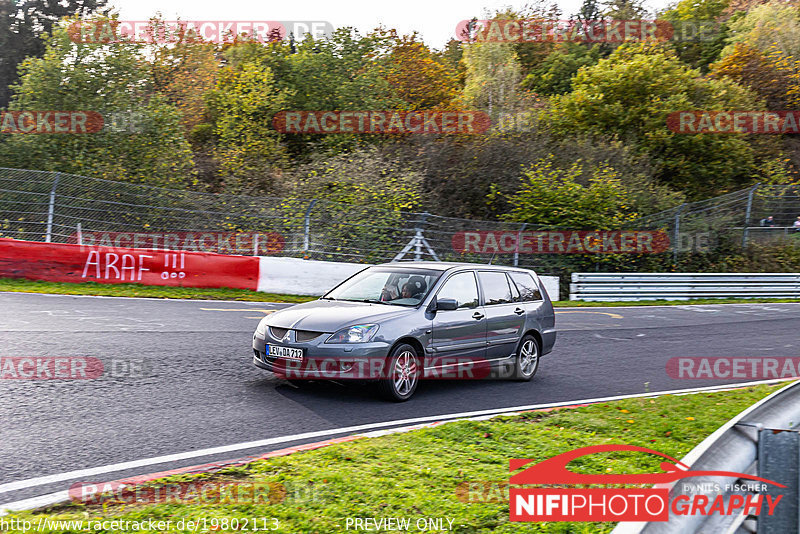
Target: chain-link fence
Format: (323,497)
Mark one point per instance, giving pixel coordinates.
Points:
(65,208)
(762,213)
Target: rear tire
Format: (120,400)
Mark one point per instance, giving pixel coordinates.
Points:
(402,374)
(527,360)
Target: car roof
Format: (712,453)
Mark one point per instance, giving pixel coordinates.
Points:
(446,265)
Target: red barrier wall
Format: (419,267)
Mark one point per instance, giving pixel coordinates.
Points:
(107,265)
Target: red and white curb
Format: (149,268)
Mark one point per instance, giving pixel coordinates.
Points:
(63,497)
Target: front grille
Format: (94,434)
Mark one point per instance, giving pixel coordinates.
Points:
(306,335)
(277,333)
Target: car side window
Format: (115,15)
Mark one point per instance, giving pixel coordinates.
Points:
(528,290)
(514,291)
(495,287)
(462,288)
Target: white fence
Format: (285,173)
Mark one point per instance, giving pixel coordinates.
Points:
(608,287)
(308,277)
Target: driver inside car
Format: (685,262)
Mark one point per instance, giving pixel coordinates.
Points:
(408,290)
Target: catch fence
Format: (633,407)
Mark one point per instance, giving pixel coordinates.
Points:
(66,208)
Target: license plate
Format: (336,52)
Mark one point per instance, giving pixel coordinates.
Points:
(288,353)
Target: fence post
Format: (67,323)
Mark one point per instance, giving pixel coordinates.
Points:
(307,227)
(419,236)
(676,238)
(51,209)
(516,251)
(747,214)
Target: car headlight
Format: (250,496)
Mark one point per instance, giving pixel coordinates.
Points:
(360,333)
(261,329)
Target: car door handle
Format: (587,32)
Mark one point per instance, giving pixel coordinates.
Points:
(477,315)
(519,311)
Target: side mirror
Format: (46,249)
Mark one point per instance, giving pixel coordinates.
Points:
(446,304)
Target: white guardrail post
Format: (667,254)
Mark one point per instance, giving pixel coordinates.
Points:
(607,287)
(763,440)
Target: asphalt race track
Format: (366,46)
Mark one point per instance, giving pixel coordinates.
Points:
(193,385)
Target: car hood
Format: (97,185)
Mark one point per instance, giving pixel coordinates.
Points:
(332,315)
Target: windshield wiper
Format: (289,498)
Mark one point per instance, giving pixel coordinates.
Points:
(374,301)
(327,298)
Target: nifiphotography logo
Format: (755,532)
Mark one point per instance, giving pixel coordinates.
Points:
(622,504)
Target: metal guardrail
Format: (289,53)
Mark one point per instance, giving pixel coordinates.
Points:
(607,287)
(763,440)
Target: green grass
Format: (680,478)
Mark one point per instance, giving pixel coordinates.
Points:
(418,474)
(21,285)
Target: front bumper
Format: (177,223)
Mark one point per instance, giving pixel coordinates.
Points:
(325,361)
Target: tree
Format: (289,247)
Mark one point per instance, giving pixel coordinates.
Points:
(241,108)
(624,10)
(183,72)
(630,95)
(589,12)
(773,25)
(766,75)
(700,31)
(142,140)
(338,73)
(493,76)
(552,196)
(452,56)
(373,176)
(472,176)
(554,75)
(763,53)
(24,25)
(418,77)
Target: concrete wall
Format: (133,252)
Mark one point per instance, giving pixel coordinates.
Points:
(302,277)
(308,277)
(551,286)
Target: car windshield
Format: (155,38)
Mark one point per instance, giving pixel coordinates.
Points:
(387,285)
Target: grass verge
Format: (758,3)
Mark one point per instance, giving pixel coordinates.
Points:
(417,474)
(20,285)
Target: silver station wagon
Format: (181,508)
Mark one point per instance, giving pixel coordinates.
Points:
(398,323)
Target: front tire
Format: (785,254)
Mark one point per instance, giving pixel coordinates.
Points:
(527,361)
(402,374)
